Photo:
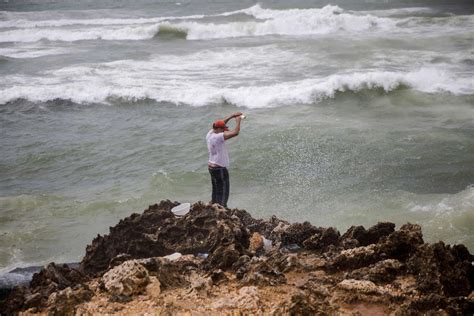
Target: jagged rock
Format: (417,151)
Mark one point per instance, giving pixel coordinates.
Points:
(260,271)
(157,232)
(361,286)
(309,270)
(54,277)
(322,241)
(354,258)
(349,243)
(381,272)
(65,301)
(217,276)
(278,230)
(402,243)
(399,245)
(301,304)
(297,233)
(224,256)
(256,243)
(439,271)
(371,236)
(432,302)
(32,300)
(51,278)
(169,273)
(247,300)
(133,236)
(126,279)
(260,226)
(153,289)
(200,283)
(15,301)
(119,259)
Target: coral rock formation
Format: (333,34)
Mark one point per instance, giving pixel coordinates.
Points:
(216,260)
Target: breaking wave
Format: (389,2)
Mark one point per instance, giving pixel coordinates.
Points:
(31,52)
(71,35)
(168,30)
(326,20)
(88,22)
(307,91)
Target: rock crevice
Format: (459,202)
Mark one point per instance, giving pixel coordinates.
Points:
(220,260)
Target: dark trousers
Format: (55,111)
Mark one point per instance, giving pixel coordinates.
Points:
(220,185)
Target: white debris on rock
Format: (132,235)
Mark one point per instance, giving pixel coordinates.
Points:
(173,256)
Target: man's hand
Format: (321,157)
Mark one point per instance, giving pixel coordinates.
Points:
(236,130)
(236,114)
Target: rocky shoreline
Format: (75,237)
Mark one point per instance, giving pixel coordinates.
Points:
(221,261)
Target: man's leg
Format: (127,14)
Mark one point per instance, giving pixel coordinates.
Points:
(217,185)
(226,187)
(214,186)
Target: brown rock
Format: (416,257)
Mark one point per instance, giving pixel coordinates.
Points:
(371,236)
(224,256)
(364,271)
(439,271)
(297,233)
(381,272)
(153,289)
(360,286)
(256,243)
(322,241)
(261,271)
(126,279)
(65,301)
(157,232)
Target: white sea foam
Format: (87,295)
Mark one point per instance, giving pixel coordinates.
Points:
(401,12)
(448,217)
(70,35)
(445,205)
(91,22)
(31,52)
(115,81)
(327,20)
(287,22)
(279,22)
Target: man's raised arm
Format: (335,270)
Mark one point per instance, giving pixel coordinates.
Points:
(236,130)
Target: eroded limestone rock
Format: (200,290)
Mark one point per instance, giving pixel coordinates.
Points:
(126,279)
(218,255)
(157,232)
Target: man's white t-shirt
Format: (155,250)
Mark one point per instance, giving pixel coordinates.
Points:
(218,154)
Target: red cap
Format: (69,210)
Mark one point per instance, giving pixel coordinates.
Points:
(220,124)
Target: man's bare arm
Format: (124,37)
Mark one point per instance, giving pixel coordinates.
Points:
(235,131)
(227,119)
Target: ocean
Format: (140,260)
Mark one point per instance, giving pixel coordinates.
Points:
(357,112)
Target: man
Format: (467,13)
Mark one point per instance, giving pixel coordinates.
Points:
(219,157)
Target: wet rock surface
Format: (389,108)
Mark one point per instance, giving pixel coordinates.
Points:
(215,260)
(51,279)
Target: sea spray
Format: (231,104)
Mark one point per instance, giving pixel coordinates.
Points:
(361,113)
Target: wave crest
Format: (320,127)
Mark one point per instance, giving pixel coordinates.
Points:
(171,31)
(195,93)
(292,22)
(266,22)
(327,20)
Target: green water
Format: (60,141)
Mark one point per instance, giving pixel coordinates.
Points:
(340,163)
(356,113)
